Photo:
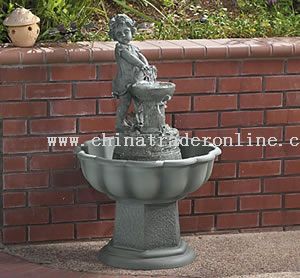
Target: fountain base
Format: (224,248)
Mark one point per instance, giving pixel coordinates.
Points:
(146,236)
(147,259)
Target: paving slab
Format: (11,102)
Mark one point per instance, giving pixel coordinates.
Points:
(248,255)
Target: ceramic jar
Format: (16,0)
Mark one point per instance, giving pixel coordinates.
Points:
(23,28)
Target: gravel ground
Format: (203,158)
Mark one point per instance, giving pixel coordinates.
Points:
(263,255)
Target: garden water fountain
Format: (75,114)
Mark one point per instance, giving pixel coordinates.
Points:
(143,168)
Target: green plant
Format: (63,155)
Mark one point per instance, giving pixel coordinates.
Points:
(72,20)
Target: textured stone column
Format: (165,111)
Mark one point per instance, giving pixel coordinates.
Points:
(146,236)
(145,227)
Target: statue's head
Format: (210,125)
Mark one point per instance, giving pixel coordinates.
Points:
(121,22)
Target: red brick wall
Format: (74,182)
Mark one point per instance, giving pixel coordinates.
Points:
(223,87)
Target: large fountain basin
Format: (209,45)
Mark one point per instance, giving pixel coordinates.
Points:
(154,92)
(149,182)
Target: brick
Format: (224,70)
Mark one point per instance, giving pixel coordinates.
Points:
(53,126)
(292,167)
(79,54)
(68,178)
(102,52)
(21,74)
(216,102)
(14,199)
(292,200)
(260,202)
(216,135)
(107,106)
(213,205)
(25,145)
(185,207)
(279,218)
(74,213)
(237,220)
(292,131)
(51,198)
(224,170)
(59,54)
(14,127)
(14,164)
(264,132)
(263,67)
(107,71)
(240,84)
(214,50)
(237,153)
(25,180)
(196,120)
(207,189)
(293,66)
(107,211)
(14,235)
(196,223)
(90,195)
(242,118)
(217,68)
(282,150)
(9,56)
(93,89)
(260,168)
(260,101)
(195,85)
(72,107)
(293,99)
(179,104)
(282,184)
(53,161)
(191,49)
(94,230)
(73,72)
(25,216)
(175,69)
(97,124)
(283,116)
(239,187)
(282,83)
(23,109)
(48,91)
(50,232)
(10,92)
(169,50)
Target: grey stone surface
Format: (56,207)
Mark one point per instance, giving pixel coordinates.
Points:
(145,227)
(145,179)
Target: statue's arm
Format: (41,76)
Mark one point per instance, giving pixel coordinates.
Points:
(143,58)
(126,55)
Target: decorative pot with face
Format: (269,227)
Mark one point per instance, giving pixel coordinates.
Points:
(23,28)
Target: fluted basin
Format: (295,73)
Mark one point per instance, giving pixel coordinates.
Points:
(146,181)
(146,231)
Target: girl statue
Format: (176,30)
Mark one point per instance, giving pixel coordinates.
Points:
(132,67)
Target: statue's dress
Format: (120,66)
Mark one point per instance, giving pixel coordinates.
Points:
(127,73)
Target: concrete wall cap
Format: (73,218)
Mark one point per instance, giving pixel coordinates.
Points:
(155,50)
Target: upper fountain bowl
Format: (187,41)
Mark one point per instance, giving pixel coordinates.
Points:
(146,181)
(156,91)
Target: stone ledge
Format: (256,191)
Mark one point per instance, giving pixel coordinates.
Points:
(94,52)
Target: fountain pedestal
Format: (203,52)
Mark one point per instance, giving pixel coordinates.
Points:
(146,236)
